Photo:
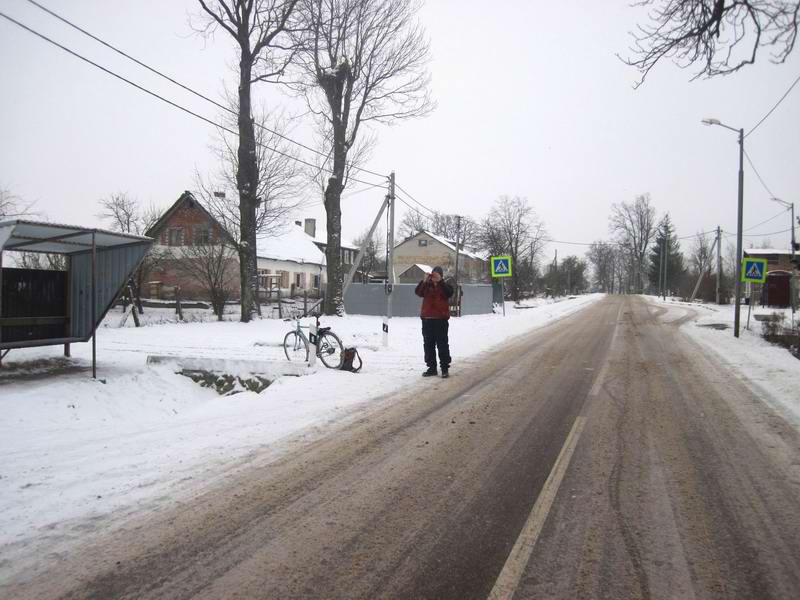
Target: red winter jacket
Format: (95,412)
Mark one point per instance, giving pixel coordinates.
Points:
(435,303)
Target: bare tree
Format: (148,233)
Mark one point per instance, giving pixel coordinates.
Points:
(361,61)
(601,257)
(42,261)
(374,248)
(211,264)
(721,36)
(125,215)
(280,179)
(701,257)
(412,223)
(512,228)
(11,206)
(259,28)
(449,227)
(634,223)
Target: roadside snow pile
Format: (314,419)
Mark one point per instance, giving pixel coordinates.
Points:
(767,367)
(74,448)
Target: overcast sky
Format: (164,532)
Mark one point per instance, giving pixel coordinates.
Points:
(532,102)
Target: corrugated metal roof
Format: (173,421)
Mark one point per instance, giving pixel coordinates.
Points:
(57,238)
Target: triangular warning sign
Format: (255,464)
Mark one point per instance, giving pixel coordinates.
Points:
(754,271)
(501,267)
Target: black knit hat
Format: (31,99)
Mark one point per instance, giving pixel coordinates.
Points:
(438,270)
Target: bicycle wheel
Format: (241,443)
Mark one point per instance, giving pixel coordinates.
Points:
(330,350)
(295,347)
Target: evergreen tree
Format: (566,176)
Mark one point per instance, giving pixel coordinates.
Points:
(676,270)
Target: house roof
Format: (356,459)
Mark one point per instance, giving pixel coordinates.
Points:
(291,244)
(185,197)
(766,251)
(450,244)
(423,268)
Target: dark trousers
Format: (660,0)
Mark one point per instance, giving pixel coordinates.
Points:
(434,336)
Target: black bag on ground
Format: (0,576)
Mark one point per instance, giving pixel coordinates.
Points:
(348,361)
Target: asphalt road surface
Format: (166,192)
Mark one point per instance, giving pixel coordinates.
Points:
(603,456)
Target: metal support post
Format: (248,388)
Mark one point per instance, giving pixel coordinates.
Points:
(363,248)
(661,271)
(458,234)
(740,213)
(719,260)
(94,306)
(313,341)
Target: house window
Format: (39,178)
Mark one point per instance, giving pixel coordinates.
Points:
(422,242)
(202,235)
(316,281)
(284,279)
(298,280)
(175,237)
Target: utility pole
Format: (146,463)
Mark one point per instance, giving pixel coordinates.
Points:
(661,270)
(719,259)
(738,283)
(458,234)
(390,266)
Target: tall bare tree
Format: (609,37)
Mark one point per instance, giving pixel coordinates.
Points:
(513,228)
(279,183)
(260,30)
(361,61)
(412,223)
(720,36)
(634,223)
(601,257)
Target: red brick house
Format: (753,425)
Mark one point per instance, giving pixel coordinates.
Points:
(185,223)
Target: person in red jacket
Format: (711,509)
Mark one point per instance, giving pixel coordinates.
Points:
(435,313)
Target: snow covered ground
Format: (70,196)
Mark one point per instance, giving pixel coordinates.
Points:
(768,368)
(76,450)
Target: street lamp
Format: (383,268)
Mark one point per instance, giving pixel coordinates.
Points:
(790,205)
(738,266)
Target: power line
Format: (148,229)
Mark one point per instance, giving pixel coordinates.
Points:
(772,218)
(188,89)
(749,160)
(155,95)
(407,193)
(729,234)
(764,118)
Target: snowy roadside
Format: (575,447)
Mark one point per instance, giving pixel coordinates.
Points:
(768,368)
(76,450)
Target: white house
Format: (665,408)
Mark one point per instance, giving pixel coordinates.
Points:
(291,260)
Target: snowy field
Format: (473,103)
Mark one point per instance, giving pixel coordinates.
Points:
(770,369)
(77,450)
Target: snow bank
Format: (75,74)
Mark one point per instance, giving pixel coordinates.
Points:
(771,370)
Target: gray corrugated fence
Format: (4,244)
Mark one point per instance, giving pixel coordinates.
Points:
(370,299)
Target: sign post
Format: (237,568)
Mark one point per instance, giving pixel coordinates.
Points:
(501,268)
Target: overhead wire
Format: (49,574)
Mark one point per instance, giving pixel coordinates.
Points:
(758,175)
(159,97)
(777,104)
(189,89)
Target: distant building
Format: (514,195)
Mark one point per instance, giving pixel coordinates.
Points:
(348,252)
(781,278)
(414,274)
(425,248)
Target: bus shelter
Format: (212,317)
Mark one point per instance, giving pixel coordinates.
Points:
(55,307)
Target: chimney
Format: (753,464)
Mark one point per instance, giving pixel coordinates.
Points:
(298,223)
(311,227)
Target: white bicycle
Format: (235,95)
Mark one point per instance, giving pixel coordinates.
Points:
(329,347)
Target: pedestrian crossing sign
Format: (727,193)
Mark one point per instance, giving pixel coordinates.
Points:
(501,266)
(754,270)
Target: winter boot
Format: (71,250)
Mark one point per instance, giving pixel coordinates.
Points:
(431,372)
(445,373)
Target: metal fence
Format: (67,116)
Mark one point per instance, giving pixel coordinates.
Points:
(370,299)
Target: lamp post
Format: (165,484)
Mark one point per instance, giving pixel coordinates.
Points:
(790,205)
(738,266)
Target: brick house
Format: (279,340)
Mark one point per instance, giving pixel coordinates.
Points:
(426,248)
(183,224)
(289,259)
